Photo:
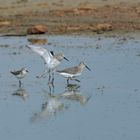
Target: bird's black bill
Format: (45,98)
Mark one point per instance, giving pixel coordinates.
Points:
(66,58)
(88,68)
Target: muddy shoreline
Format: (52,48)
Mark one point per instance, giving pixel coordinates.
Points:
(84,18)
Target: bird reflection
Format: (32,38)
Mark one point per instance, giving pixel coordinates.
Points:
(50,108)
(59,102)
(51,87)
(73,93)
(71,87)
(20,92)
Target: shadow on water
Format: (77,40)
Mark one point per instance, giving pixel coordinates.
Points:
(58,102)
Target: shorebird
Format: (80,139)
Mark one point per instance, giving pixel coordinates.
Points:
(72,72)
(20,74)
(51,60)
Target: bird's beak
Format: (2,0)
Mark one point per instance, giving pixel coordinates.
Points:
(66,58)
(27,71)
(87,67)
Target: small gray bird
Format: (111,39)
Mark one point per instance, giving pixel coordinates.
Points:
(20,74)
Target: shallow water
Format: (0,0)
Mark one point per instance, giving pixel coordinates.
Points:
(105,105)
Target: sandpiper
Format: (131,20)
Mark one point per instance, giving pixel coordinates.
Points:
(51,60)
(20,74)
(72,72)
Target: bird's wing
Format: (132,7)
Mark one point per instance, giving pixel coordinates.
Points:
(71,70)
(44,53)
(16,72)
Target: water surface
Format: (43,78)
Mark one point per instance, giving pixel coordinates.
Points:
(105,105)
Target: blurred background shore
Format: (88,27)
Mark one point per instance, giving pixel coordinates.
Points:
(66,17)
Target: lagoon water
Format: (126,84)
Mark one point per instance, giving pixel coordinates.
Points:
(104,105)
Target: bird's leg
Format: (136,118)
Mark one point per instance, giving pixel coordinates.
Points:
(40,76)
(68,81)
(19,83)
(49,75)
(52,78)
(51,82)
(76,80)
(51,88)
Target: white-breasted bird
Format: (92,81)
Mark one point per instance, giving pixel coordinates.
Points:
(51,60)
(20,74)
(73,72)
